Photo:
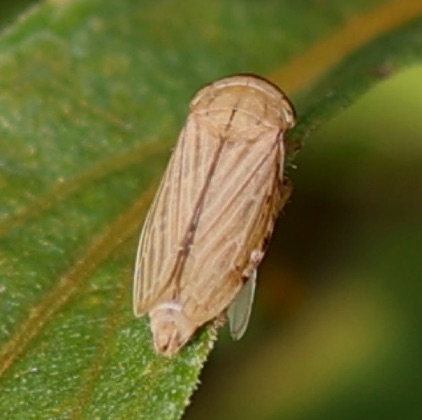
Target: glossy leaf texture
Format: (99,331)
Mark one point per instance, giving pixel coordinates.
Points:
(92,97)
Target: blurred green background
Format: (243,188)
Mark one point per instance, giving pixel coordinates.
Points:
(9,10)
(335,332)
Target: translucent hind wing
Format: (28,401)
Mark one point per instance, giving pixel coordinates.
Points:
(240,309)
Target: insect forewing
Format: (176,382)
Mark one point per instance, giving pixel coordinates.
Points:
(170,215)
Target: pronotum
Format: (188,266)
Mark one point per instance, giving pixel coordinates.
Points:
(209,225)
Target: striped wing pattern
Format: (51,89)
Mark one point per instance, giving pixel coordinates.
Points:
(170,214)
(238,213)
(216,203)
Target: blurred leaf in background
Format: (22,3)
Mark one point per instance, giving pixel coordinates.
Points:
(92,97)
(10,11)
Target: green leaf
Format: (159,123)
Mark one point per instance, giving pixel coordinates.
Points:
(92,97)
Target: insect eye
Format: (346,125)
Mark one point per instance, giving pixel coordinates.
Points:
(288,114)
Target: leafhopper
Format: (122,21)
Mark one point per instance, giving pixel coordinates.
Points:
(211,220)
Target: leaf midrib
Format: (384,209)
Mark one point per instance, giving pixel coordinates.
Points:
(361,29)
